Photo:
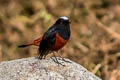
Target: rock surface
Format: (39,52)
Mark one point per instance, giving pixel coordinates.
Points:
(46,69)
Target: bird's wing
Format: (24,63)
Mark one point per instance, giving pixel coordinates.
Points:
(48,40)
(50,33)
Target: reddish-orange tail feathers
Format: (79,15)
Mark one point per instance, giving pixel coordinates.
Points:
(35,43)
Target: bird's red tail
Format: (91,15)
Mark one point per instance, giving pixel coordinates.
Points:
(35,43)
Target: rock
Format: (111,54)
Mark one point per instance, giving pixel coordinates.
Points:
(45,69)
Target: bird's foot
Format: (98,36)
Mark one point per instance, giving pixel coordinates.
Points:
(64,60)
(56,61)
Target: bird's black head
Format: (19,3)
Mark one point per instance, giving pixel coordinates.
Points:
(63,27)
(63,20)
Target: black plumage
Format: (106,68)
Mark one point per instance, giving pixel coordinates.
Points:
(60,27)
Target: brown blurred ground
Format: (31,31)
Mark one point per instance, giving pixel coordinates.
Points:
(95,31)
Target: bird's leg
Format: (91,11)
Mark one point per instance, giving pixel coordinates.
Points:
(56,61)
(62,57)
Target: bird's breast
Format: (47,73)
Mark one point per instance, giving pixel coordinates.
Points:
(59,42)
(64,32)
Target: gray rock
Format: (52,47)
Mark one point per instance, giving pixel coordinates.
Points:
(46,69)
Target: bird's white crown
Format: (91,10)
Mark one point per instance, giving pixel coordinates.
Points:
(64,17)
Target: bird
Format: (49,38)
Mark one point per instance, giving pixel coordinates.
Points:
(54,39)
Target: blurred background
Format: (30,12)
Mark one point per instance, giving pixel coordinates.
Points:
(95,31)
